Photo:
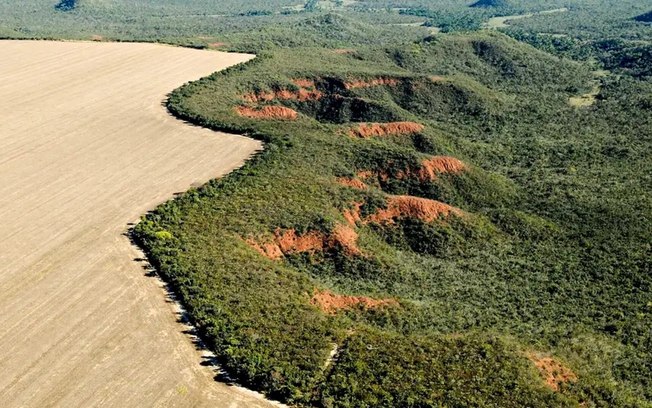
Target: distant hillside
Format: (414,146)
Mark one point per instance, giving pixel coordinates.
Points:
(645,18)
(490,3)
(326,30)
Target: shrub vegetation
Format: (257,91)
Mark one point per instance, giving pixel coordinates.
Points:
(551,257)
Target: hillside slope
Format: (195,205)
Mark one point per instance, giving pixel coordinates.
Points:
(429,225)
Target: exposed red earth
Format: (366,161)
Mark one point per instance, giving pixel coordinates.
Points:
(288,241)
(331,303)
(267,112)
(553,371)
(413,207)
(436,165)
(367,130)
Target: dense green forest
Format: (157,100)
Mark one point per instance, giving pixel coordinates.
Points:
(458,217)
(552,256)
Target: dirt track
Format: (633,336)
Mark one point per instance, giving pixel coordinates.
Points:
(86,148)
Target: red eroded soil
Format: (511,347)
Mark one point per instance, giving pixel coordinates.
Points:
(288,242)
(366,130)
(553,371)
(307,95)
(270,250)
(304,83)
(413,207)
(283,95)
(440,165)
(306,92)
(381,175)
(345,237)
(352,215)
(429,171)
(365,174)
(352,182)
(216,44)
(343,51)
(359,83)
(331,303)
(267,112)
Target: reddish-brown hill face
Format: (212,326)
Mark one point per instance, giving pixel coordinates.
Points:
(365,130)
(267,112)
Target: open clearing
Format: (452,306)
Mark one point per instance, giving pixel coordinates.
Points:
(86,147)
(589,98)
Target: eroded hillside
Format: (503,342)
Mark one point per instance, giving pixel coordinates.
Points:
(435,212)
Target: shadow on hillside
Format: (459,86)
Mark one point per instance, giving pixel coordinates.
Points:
(66,5)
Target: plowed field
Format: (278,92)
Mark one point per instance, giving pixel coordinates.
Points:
(86,147)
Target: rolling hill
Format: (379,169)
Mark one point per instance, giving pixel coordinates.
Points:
(422,212)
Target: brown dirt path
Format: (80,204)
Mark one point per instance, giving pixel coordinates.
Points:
(85,148)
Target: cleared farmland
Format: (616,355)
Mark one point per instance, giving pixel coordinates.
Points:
(86,147)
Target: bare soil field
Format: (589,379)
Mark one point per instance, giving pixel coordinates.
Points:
(86,147)
(589,98)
